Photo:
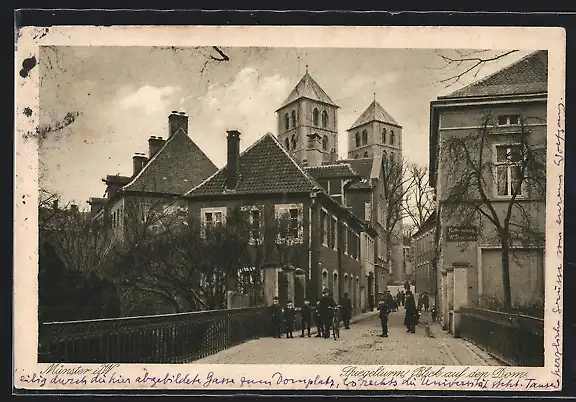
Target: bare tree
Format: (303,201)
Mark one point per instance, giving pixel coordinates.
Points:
(467,63)
(418,202)
(493,179)
(397,182)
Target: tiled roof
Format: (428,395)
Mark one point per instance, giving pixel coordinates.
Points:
(178,166)
(374,112)
(265,168)
(308,88)
(527,75)
(339,170)
(363,166)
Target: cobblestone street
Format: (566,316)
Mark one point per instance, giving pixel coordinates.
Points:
(360,345)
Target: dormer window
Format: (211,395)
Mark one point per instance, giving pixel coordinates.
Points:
(315,115)
(287,121)
(509,120)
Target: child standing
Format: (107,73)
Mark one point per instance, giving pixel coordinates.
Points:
(289,317)
(306,317)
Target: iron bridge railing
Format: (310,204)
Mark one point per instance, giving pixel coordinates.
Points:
(515,339)
(170,338)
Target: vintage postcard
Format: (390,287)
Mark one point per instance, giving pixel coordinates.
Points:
(319,208)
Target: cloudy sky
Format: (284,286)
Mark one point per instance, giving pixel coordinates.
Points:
(124,95)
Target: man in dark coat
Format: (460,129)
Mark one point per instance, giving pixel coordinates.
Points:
(318,320)
(346,311)
(426,301)
(289,318)
(411,317)
(276,313)
(306,314)
(384,310)
(326,304)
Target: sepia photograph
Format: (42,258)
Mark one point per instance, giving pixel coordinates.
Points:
(292,205)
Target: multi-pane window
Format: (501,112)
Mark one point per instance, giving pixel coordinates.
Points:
(508,159)
(289,218)
(509,120)
(324,227)
(335,233)
(346,240)
(212,217)
(252,216)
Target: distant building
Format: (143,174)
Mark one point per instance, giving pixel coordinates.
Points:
(407,259)
(424,256)
(470,263)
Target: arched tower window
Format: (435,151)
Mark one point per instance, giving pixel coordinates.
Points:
(315,117)
(383,136)
(357,139)
(324,279)
(293,118)
(287,121)
(324,118)
(365,154)
(287,144)
(294,140)
(325,143)
(335,286)
(364,137)
(384,155)
(392,137)
(392,158)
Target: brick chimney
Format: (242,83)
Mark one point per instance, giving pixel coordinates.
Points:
(233,163)
(177,120)
(138,162)
(154,145)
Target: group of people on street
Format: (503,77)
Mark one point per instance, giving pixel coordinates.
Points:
(322,313)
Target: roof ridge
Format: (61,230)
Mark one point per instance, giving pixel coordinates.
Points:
(295,162)
(223,167)
(484,79)
(155,156)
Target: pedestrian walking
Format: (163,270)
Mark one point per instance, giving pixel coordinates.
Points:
(306,314)
(389,300)
(384,310)
(419,302)
(326,303)
(399,298)
(411,316)
(318,321)
(276,315)
(289,317)
(346,310)
(426,301)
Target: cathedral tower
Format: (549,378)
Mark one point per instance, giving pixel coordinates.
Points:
(308,123)
(375,133)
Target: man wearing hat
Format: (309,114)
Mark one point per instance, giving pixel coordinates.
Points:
(276,313)
(326,302)
(318,320)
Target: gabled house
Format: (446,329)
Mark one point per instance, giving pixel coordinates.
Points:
(507,113)
(150,197)
(310,240)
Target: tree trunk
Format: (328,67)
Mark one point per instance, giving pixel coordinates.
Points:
(506,272)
